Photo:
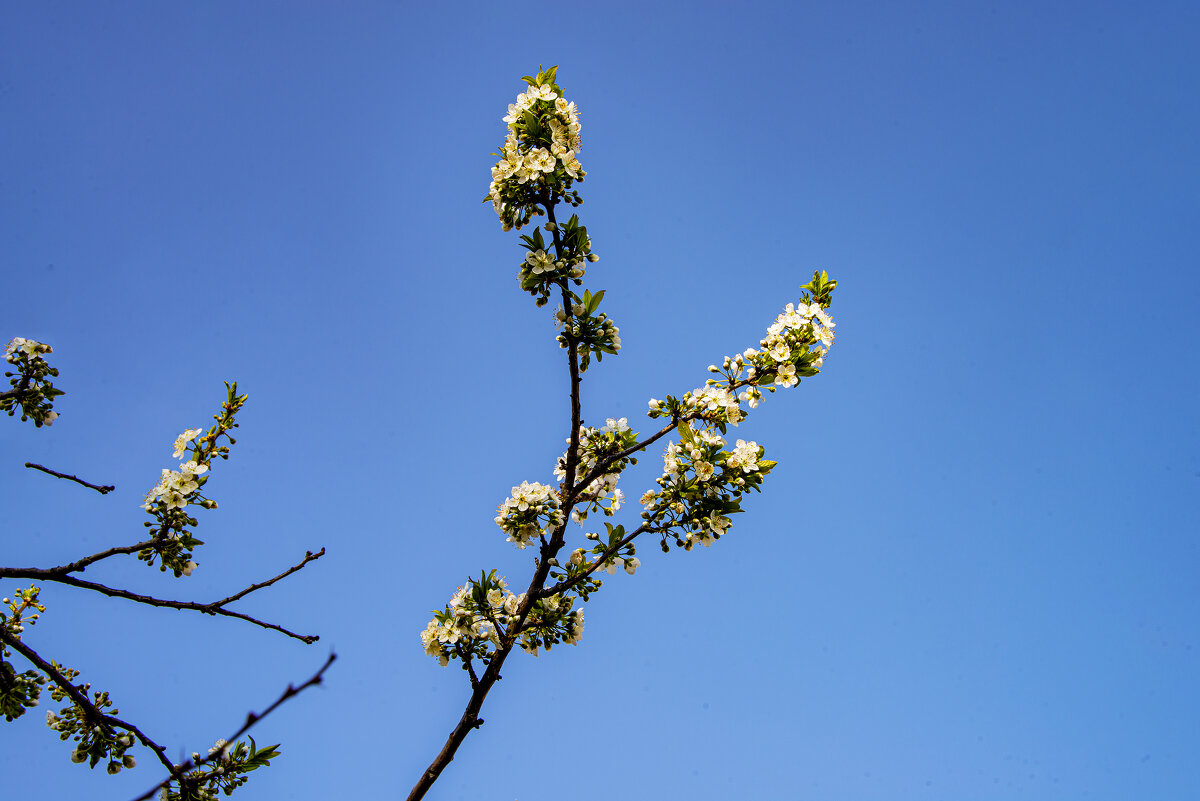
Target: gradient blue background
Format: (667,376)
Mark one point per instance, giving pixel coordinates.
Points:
(973,574)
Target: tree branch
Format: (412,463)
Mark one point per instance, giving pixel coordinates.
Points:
(16,393)
(470,717)
(602,466)
(251,719)
(567,584)
(50,573)
(103,490)
(213,608)
(309,556)
(79,698)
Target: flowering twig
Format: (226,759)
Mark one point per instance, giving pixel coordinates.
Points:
(598,563)
(79,698)
(702,482)
(103,490)
(252,718)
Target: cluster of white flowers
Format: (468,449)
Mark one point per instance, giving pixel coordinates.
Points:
(30,349)
(549,619)
(474,620)
(744,457)
(34,394)
(561,117)
(175,487)
(463,620)
(539,150)
(799,338)
(715,403)
(596,444)
(531,510)
(700,478)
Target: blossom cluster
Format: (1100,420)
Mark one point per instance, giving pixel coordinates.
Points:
(531,511)
(483,613)
(550,621)
(175,488)
(538,157)
(541,271)
(794,347)
(168,501)
(701,485)
(465,618)
(223,772)
(596,445)
(32,392)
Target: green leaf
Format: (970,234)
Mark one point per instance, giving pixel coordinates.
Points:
(685,432)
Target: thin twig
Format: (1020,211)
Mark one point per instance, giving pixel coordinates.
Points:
(177,771)
(102,489)
(309,556)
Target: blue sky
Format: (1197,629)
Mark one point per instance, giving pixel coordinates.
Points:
(972,575)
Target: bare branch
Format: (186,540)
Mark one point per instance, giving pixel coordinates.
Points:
(214,608)
(309,556)
(51,573)
(103,490)
(251,719)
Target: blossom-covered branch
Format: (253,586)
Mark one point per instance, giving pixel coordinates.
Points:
(92,728)
(704,478)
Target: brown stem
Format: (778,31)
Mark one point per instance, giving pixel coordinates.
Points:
(50,573)
(102,489)
(213,608)
(470,717)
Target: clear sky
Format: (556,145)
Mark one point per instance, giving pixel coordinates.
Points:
(973,574)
